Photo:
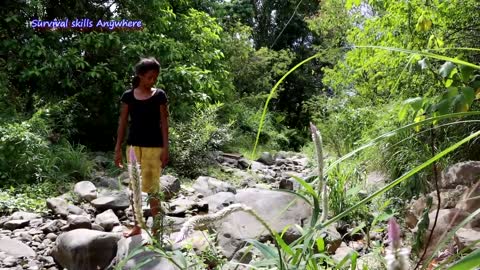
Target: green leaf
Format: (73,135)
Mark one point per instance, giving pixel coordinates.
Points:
(471,261)
(320,244)
(446,69)
(415,103)
(469,94)
(267,251)
(466,73)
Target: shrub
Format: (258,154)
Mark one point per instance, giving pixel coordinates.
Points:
(27,155)
(191,142)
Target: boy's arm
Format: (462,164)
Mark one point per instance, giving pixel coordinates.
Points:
(122,126)
(164,125)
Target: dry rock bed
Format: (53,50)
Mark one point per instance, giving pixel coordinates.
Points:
(83,228)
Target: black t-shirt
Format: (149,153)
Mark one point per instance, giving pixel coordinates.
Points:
(145,127)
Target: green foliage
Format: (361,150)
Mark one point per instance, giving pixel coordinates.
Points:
(28,156)
(191,142)
(27,197)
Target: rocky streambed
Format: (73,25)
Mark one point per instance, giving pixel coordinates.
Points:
(83,229)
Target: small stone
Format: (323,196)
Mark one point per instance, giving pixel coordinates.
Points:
(86,190)
(107,220)
(78,222)
(36,222)
(53,226)
(75,210)
(59,206)
(51,236)
(15,224)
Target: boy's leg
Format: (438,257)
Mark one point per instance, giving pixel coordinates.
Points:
(151,171)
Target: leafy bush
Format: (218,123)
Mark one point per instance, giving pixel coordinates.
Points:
(28,156)
(192,141)
(27,197)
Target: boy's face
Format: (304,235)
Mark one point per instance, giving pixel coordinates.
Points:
(149,78)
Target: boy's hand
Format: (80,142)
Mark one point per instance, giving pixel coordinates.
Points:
(118,158)
(164,158)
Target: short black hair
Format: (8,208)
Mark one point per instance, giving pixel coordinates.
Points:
(147,64)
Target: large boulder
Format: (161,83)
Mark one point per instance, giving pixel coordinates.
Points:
(219,201)
(463,173)
(208,186)
(447,220)
(15,248)
(84,249)
(448,199)
(278,209)
(85,190)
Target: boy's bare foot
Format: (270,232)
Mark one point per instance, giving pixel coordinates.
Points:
(134,231)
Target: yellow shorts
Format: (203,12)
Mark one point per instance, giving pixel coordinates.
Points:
(150,166)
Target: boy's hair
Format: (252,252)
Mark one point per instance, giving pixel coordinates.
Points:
(142,67)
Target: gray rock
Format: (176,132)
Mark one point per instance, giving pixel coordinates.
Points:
(107,220)
(170,185)
(342,252)
(16,248)
(467,237)
(20,215)
(266,158)
(257,166)
(470,200)
(219,201)
(36,222)
(102,161)
(116,201)
(58,205)
(209,186)
(86,190)
(25,237)
(10,261)
(463,173)
(75,210)
(234,229)
(51,236)
(447,219)
(83,249)
(15,224)
(285,184)
(78,222)
(52,226)
(108,182)
(127,245)
(183,205)
(243,163)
